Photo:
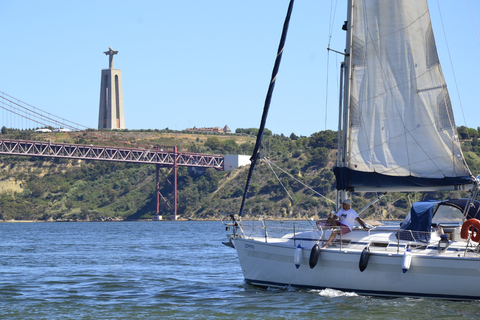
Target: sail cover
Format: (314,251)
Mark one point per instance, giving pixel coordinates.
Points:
(402,134)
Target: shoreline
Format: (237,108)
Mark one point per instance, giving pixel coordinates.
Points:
(142,220)
(151,220)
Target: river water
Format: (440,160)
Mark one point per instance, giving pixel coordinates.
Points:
(164,270)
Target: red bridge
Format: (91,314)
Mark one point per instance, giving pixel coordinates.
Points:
(157,156)
(119,154)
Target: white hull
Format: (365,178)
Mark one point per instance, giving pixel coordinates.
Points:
(449,275)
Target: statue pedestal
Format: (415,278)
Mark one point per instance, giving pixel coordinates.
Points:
(111,114)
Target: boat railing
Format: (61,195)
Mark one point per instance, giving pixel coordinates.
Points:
(300,230)
(266,229)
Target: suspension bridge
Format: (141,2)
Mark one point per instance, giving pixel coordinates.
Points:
(14,110)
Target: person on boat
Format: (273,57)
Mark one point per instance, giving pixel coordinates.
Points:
(347,217)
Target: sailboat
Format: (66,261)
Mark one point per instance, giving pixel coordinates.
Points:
(396,134)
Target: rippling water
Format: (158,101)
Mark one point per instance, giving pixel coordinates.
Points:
(163,270)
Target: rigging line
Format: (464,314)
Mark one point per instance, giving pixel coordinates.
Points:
(333,10)
(279,181)
(326,90)
(451,64)
(304,216)
(303,184)
(473,21)
(268,98)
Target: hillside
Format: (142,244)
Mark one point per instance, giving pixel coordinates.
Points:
(57,189)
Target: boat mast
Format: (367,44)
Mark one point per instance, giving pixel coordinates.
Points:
(268,99)
(340,131)
(344,123)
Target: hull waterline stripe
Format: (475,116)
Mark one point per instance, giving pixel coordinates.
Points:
(366,292)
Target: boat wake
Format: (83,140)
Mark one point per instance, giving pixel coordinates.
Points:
(332,293)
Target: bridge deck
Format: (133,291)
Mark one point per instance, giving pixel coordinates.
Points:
(119,154)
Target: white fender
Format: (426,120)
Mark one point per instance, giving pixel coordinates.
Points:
(298,256)
(407,260)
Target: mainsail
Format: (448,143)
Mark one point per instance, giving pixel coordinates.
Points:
(401,133)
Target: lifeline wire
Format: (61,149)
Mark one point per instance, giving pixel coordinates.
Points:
(269,164)
(303,184)
(320,232)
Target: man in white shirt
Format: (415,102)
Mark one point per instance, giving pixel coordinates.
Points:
(347,217)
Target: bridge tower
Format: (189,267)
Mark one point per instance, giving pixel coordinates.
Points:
(111,114)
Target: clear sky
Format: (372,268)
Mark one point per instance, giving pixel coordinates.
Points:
(205,63)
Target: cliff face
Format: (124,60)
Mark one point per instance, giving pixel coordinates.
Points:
(10,185)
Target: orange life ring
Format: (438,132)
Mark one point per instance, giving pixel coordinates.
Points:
(472,225)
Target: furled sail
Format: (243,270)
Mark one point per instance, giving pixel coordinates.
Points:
(401,130)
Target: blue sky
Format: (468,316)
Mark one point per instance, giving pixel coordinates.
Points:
(205,63)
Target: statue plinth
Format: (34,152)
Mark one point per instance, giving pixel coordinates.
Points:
(111,114)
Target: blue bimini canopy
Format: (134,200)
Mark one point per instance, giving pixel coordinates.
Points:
(418,223)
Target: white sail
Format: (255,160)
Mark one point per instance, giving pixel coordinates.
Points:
(402,133)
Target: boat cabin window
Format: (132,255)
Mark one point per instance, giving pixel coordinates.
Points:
(379,244)
(447,214)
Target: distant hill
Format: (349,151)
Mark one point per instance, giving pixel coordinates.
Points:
(33,188)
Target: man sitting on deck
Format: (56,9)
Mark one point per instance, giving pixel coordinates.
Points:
(347,217)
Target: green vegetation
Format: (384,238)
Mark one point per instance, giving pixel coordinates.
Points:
(34,188)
